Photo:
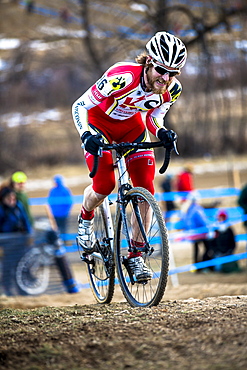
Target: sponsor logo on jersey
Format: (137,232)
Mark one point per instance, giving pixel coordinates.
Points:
(175,91)
(96,94)
(141,103)
(77,116)
(118,83)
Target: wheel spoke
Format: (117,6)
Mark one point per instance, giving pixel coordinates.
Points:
(101,277)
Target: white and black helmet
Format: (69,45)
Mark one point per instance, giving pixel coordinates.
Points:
(167,49)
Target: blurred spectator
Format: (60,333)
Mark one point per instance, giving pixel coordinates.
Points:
(185,181)
(65,14)
(15,231)
(224,242)
(60,202)
(194,220)
(30,6)
(17,183)
(13,216)
(225,238)
(167,187)
(242,201)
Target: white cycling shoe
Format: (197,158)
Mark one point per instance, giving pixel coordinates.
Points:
(139,269)
(86,238)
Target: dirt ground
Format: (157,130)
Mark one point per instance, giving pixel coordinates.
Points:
(208,333)
(200,323)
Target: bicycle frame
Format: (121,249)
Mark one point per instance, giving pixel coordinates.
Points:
(123,185)
(106,206)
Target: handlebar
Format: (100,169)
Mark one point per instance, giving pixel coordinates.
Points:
(145,145)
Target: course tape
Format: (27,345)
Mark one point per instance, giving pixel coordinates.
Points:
(186,268)
(235,216)
(203,193)
(190,267)
(205,264)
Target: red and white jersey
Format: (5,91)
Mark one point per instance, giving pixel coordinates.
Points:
(120,94)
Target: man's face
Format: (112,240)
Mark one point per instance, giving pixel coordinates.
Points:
(19,186)
(156,82)
(10,200)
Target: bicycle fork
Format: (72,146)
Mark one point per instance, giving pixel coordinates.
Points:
(141,230)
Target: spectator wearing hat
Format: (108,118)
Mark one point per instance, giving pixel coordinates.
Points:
(60,202)
(17,183)
(224,243)
(15,230)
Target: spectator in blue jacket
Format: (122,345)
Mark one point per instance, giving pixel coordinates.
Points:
(60,202)
(15,229)
(13,217)
(194,220)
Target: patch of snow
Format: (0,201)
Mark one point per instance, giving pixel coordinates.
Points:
(60,31)
(42,46)
(17,118)
(139,7)
(7,44)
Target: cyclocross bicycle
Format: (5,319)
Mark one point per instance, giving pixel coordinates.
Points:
(137,214)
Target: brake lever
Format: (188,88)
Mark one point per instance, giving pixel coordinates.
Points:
(100,151)
(168,156)
(175,147)
(96,157)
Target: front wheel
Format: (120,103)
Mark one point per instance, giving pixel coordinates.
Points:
(145,225)
(100,264)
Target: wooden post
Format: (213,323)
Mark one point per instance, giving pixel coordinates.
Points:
(236,178)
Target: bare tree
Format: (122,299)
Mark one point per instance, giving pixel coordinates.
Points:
(211,113)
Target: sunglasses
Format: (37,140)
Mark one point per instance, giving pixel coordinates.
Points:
(162,70)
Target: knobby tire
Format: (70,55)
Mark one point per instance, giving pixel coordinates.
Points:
(151,293)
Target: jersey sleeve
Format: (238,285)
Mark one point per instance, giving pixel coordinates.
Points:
(116,79)
(155,117)
(113,81)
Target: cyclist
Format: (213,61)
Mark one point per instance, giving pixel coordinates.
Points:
(113,107)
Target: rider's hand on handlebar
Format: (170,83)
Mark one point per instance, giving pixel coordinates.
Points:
(167,136)
(92,143)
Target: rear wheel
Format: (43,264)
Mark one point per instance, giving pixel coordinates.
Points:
(100,265)
(150,292)
(33,272)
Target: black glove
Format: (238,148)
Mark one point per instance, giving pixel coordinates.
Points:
(92,143)
(167,136)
